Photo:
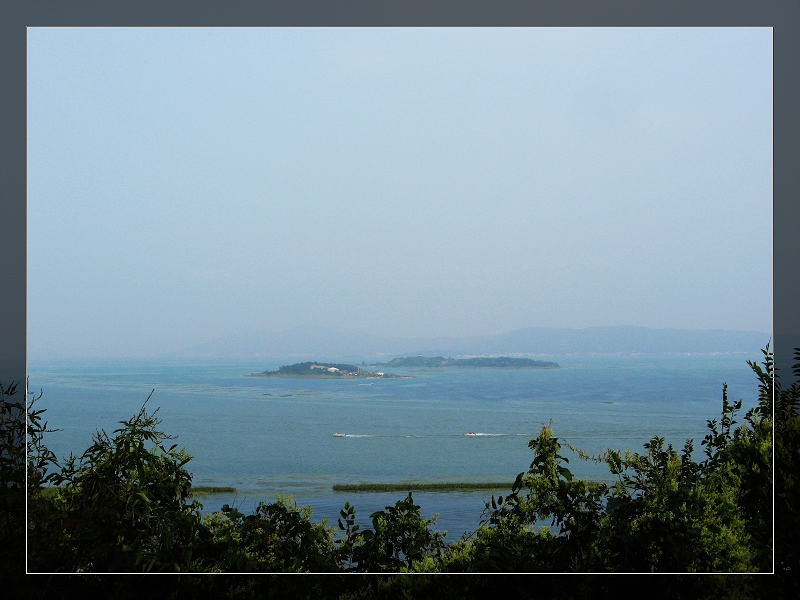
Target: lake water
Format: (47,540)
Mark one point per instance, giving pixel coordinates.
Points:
(270,436)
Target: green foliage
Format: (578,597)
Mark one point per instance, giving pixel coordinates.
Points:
(399,539)
(121,506)
(277,537)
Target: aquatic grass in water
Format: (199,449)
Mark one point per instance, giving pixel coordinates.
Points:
(423,487)
(207,490)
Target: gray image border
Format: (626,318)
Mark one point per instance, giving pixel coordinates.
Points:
(15,17)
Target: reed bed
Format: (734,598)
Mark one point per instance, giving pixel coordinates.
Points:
(421,487)
(207,490)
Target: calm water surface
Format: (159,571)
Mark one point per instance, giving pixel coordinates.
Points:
(268,436)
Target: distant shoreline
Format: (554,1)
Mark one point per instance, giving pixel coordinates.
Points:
(326,376)
(440,362)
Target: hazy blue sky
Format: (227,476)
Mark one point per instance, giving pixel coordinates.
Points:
(185,184)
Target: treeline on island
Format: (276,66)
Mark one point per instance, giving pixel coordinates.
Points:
(126,505)
(320,369)
(332,370)
(499,362)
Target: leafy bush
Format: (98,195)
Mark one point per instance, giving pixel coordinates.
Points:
(277,537)
(400,539)
(121,506)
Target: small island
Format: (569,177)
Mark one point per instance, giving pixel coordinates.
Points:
(499,362)
(319,370)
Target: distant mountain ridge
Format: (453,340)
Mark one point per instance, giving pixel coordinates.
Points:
(329,344)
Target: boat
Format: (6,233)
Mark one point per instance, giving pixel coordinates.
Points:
(338,435)
(471,433)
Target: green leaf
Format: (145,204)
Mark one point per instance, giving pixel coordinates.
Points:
(565,473)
